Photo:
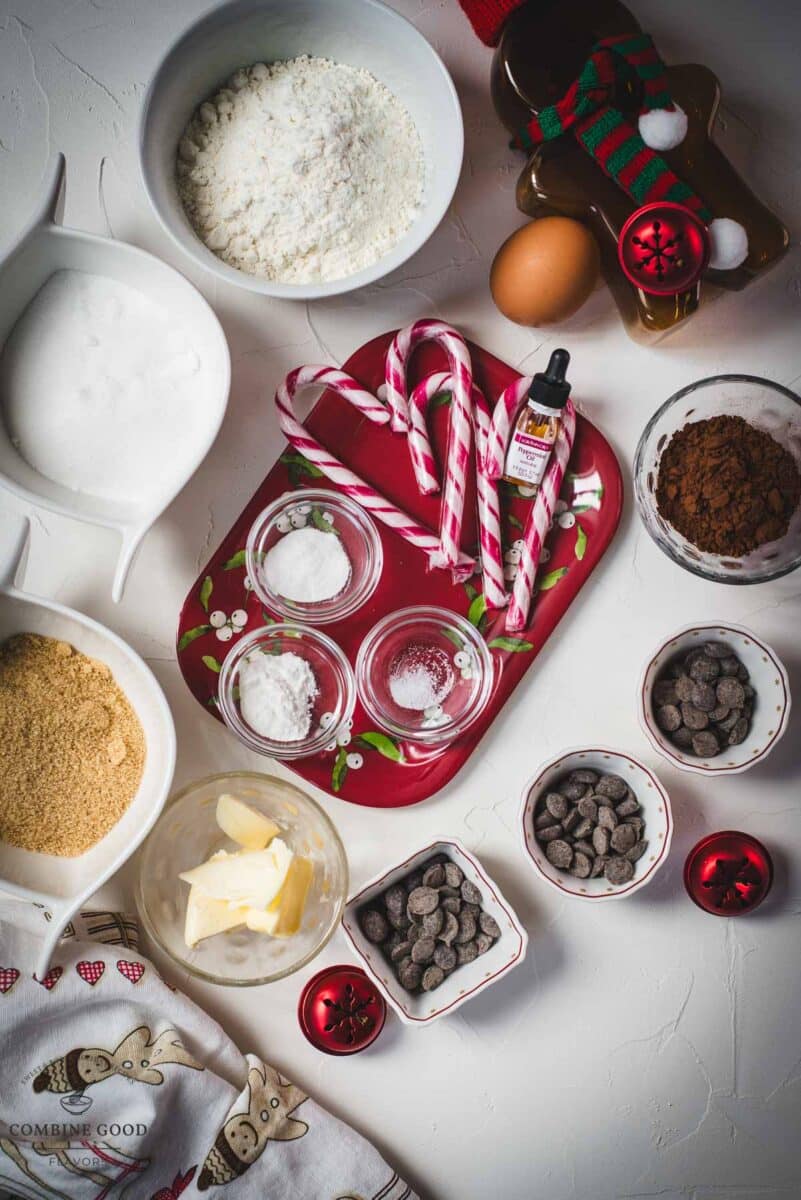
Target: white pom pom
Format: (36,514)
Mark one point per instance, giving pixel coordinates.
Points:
(729,244)
(663,128)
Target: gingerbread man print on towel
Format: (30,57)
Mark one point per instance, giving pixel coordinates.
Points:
(245,1134)
(136,1057)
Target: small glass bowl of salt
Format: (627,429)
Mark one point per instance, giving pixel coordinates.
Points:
(424,674)
(314,556)
(287,691)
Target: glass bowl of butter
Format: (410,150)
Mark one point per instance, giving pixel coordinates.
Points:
(243,879)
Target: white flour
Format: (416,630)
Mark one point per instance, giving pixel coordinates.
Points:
(276,693)
(98,389)
(302,171)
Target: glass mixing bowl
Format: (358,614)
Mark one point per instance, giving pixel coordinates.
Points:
(451,644)
(335,516)
(186,835)
(769,407)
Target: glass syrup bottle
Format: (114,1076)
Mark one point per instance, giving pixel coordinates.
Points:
(537,426)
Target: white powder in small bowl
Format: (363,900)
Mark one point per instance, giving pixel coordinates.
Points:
(308,566)
(276,694)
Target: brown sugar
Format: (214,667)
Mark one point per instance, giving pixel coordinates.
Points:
(727,486)
(72,750)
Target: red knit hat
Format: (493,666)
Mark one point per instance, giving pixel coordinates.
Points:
(488,17)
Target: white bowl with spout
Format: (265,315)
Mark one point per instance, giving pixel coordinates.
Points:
(45,247)
(62,885)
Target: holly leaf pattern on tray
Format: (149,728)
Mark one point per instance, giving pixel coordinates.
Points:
(512,645)
(551,579)
(206,588)
(236,560)
(192,635)
(340,769)
(477,610)
(387,746)
(581,542)
(211,662)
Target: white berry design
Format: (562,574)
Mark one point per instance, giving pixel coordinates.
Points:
(225,627)
(355,761)
(566,520)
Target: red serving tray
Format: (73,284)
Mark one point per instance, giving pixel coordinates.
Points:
(393,774)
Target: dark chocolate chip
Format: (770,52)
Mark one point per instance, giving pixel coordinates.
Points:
(705,744)
(694,718)
(470,893)
(422,900)
(489,925)
(704,669)
(731,692)
(619,870)
(432,978)
(374,925)
(559,854)
(623,838)
(613,786)
(668,717)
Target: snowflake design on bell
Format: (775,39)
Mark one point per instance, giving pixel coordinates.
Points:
(225,627)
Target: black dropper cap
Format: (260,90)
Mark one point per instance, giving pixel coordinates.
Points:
(551,389)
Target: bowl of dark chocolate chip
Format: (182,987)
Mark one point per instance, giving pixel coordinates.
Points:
(717,479)
(714,699)
(596,823)
(434,931)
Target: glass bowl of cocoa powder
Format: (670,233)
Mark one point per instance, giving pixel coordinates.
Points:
(717,477)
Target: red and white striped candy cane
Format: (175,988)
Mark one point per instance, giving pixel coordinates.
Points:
(508,405)
(461,425)
(365,495)
(539,522)
(489,512)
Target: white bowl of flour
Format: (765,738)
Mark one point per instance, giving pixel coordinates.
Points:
(355,214)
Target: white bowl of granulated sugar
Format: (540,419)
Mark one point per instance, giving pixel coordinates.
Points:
(301,148)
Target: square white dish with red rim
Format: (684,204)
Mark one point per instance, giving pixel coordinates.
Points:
(464,981)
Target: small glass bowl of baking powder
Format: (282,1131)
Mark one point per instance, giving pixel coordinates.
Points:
(314,556)
(424,674)
(287,691)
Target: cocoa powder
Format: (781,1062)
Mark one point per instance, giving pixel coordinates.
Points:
(726,486)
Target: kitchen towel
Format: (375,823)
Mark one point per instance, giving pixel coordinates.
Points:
(113,1084)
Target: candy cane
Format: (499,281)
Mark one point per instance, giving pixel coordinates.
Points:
(461,426)
(504,414)
(539,522)
(365,495)
(489,513)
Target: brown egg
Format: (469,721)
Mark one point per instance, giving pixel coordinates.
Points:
(545,271)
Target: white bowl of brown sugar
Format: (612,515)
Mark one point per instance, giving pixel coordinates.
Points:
(87,749)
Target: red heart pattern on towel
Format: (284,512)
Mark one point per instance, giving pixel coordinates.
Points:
(132,971)
(90,972)
(51,978)
(8,977)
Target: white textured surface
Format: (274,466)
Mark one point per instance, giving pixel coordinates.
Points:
(643,1049)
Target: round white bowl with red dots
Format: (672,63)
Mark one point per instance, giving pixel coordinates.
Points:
(654,809)
(771,702)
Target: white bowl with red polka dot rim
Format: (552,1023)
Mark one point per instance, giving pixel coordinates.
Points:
(465,981)
(654,809)
(767,676)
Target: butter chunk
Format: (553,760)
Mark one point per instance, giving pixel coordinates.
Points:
(250,878)
(206,916)
(244,824)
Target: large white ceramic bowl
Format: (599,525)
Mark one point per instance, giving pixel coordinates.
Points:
(45,247)
(771,702)
(360,33)
(654,808)
(63,885)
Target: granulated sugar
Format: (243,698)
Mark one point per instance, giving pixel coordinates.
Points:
(72,750)
(420,676)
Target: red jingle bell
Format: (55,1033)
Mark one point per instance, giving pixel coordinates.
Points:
(341,1011)
(663,248)
(728,873)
